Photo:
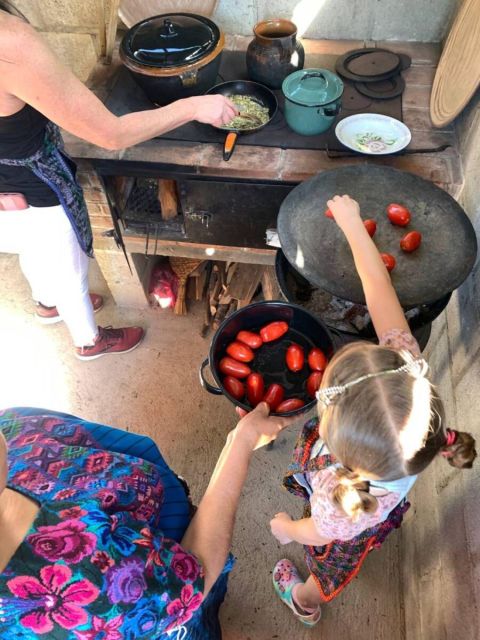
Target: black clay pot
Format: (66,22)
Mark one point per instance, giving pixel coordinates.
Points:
(173,56)
(274,53)
(304,329)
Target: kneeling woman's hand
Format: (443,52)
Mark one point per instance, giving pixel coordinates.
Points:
(258,427)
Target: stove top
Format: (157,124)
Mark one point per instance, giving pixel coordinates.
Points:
(126,96)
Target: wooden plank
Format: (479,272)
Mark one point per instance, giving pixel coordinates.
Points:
(244,282)
(270,286)
(421,53)
(419,119)
(416,96)
(111,24)
(192,250)
(167,196)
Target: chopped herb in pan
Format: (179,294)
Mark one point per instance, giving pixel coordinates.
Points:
(252,114)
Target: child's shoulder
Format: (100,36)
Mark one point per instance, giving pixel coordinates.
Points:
(400,340)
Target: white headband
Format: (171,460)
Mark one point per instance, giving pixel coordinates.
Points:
(418,368)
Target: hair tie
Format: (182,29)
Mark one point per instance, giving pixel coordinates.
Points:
(450,440)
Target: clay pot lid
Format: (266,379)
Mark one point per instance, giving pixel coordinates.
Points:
(170,40)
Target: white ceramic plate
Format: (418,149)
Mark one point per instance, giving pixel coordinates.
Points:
(373,134)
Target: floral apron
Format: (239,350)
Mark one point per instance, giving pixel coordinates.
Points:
(49,165)
(335,564)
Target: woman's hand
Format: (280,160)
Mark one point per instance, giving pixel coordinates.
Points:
(258,427)
(279,527)
(346,212)
(213,109)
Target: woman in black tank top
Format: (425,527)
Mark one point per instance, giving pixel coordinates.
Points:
(32,163)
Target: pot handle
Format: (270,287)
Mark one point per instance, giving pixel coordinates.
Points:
(206,385)
(189,78)
(229,146)
(332,111)
(314,74)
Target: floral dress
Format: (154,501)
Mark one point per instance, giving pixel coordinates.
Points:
(95,564)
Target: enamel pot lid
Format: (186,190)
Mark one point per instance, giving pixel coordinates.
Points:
(317,248)
(170,41)
(312,87)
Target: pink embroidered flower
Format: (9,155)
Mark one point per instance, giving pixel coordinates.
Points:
(183,608)
(52,599)
(64,541)
(185,566)
(102,560)
(104,629)
(107,497)
(73,512)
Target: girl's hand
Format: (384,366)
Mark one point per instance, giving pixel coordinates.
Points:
(278,526)
(216,110)
(258,427)
(346,211)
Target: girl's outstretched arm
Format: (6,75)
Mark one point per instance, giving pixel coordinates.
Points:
(382,301)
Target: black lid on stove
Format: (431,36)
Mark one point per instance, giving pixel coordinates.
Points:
(170,40)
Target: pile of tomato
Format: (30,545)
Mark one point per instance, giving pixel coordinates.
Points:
(400,216)
(244,384)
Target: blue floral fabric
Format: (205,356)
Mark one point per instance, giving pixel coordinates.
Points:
(95,564)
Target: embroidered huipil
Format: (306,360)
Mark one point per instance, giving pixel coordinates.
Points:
(95,563)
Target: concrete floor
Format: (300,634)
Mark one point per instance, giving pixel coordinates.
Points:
(155,391)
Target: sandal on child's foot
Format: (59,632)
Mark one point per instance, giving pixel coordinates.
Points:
(285,577)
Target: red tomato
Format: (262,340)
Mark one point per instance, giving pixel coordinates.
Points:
(317,360)
(313,383)
(234,387)
(289,405)
(398,214)
(253,340)
(389,261)
(231,367)
(370,226)
(240,351)
(273,330)
(411,241)
(255,388)
(274,396)
(329,214)
(295,357)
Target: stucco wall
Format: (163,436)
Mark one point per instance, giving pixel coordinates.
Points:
(441,545)
(422,20)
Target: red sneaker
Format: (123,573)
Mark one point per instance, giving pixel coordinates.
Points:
(50,315)
(111,340)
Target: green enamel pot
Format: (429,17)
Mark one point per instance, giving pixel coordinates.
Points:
(312,100)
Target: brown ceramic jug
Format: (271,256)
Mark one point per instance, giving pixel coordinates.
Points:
(274,53)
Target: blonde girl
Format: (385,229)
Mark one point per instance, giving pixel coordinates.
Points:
(380,424)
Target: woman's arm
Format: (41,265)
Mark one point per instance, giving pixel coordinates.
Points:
(31,72)
(382,301)
(303,531)
(209,535)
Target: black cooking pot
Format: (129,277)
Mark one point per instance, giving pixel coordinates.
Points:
(304,329)
(419,324)
(172,56)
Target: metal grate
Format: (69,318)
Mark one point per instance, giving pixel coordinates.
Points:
(142,204)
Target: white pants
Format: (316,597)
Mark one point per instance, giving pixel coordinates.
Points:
(53,263)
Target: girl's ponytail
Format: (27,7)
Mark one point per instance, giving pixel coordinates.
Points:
(459,449)
(352,494)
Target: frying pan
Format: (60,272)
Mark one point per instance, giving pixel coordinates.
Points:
(245,88)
